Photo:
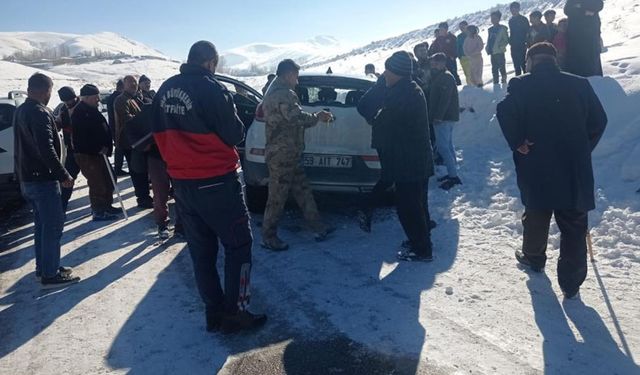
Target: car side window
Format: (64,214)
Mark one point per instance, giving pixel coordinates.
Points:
(6,116)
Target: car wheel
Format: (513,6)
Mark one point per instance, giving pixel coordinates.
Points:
(256,197)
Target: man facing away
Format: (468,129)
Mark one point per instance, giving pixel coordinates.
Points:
(118,153)
(447,43)
(196,128)
(64,111)
(519,32)
(92,142)
(286,123)
(41,171)
(552,121)
(464,60)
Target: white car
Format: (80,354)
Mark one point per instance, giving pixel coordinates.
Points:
(8,181)
(338,156)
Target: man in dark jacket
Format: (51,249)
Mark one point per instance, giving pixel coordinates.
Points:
(552,121)
(583,37)
(145,94)
(549,18)
(447,43)
(63,119)
(444,113)
(539,32)
(91,140)
(196,128)
(126,106)
(519,31)
(118,154)
(41,172)
(401,136)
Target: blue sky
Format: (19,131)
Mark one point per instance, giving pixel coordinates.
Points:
(173,25)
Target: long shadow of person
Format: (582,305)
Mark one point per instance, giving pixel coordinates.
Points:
(28,316)
(595,353)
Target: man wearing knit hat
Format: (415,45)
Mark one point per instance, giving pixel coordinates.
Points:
(552,121)
(401,134)
(91,140)
(63,119)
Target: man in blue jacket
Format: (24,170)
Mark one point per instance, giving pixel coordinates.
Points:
(552,121)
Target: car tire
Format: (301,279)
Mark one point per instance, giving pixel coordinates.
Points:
(256,197)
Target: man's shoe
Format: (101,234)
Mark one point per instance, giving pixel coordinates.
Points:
(574,294)
(58,281)
(364,221)
(274,244)
(113,210)
(64,271)
(104,216)
(178,231)
(214,320)
(450,183)
(522,259)
(163,232)
(410,256)
(145,204)
(241,321)
(321,236)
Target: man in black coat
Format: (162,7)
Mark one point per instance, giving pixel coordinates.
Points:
(91,141)
(518,34)
(583,37)
(552,122)
(401,136)
(119,155)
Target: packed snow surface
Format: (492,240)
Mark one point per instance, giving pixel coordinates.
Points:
(471,311)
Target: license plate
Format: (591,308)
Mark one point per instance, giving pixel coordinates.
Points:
(327,161)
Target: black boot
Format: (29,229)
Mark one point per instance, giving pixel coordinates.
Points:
(214,320)
(522,259)
(241,321)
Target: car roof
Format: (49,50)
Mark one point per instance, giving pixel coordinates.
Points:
(8,101)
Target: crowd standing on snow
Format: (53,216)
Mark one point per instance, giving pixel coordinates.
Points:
(183,139)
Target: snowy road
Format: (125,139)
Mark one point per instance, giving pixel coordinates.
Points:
(343,306)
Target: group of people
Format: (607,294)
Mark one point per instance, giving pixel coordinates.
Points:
(186,136)
(576,39)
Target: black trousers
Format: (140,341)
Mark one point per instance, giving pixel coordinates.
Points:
(118,159)
(518,55)
(572,264)
(413,212)
(139,178)
(452,67)
(72,167)
(499,67)
(211,210)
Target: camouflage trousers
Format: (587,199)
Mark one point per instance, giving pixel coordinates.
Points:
(286,175)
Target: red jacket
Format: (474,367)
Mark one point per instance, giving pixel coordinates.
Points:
(446,44)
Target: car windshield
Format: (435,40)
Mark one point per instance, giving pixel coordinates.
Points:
(336,94)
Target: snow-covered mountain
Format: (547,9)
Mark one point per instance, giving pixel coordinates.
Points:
(38,45)
(376,52)
(257,58)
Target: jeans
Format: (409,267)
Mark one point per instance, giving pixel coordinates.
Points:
(498,67)
(45,199)
(572,264)
(214,209)
(518,55)
(444,145)
(72,167)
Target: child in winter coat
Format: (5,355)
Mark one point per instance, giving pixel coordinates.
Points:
(560,41)
(473,47)
(497,47)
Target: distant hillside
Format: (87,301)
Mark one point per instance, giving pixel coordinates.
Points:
(262,58)
(34,46)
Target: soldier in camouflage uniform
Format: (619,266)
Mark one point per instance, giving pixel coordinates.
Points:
(286,123)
